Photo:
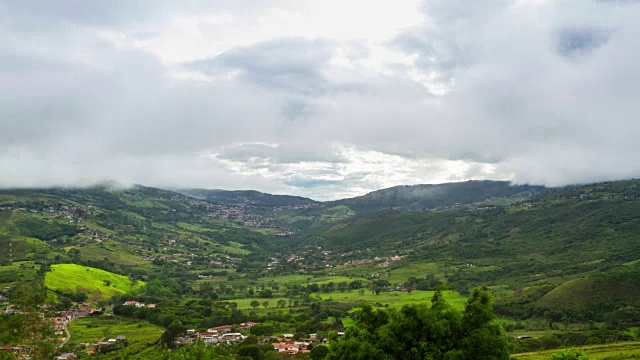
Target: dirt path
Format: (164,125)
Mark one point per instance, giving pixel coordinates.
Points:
(65,327)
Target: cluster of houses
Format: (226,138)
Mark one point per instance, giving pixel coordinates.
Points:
(216,335)
(20,350)
(103,346)
(138,304)
(66,356)
(287,345)
(55,211)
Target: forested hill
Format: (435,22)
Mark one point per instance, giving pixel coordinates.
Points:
(439,196)
(246,197)
(568,234)
(121,229)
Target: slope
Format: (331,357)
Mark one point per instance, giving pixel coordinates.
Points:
(246,197)
(449,195)
(97,284)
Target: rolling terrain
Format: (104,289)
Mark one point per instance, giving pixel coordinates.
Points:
(552,258)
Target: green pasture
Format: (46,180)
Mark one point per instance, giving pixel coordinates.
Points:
(619,351)
(395,298)
(113,251)
(72,277)
(245,304)
(139,334)
(17,272)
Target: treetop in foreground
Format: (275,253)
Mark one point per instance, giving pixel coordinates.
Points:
(418,331)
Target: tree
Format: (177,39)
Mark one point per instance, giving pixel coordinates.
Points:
(319,352)
(282,303)
(418,331)
(174,330)
(265,304)
(254,304)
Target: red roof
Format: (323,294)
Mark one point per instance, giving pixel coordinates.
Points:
(221,327)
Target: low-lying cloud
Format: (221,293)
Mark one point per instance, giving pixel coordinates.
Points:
(229,96)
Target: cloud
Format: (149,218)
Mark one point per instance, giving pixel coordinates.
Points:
(276,97)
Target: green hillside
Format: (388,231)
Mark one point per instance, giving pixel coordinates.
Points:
(562,262)
(440,196)
(97,284)
(620,287)
(539,243)
(246,197)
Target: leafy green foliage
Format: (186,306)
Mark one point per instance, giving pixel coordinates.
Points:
(569,355)
(421,332)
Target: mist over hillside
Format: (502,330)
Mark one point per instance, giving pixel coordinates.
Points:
(425,197)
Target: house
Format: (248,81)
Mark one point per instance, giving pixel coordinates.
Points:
(233,336)
(287,348)
(151,306)
(221,329)
(191,331)
(248,326)
(287,336)
(290,347)
(207,335)
(134,303)
(66,356)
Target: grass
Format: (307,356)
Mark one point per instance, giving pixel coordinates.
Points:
(17,272)
(113,251)
(72,277)
(245,304)
(632,263)
(396,298)
(23,248)
(417,270)
(620,351)
(348,322)
(140,334)
(587,291)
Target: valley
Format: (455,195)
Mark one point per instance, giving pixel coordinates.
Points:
(561,266)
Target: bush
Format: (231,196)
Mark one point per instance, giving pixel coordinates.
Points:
(570,355)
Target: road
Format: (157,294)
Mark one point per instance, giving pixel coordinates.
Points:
(66,330)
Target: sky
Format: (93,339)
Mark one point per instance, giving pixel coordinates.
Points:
(325,99)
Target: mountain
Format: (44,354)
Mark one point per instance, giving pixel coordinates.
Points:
(441,196)
(246,197)
(120,229)
(565,235)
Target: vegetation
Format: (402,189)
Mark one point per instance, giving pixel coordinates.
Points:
(562,266)
(420,332)
(97,284)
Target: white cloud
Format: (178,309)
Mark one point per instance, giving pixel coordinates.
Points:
(323,99)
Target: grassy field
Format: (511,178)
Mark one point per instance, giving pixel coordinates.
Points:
(18,271)
(586,291)
(113,251)
(72,277)
(245,304)
(23,249)
(621,351)
(140,334)
(396,298)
